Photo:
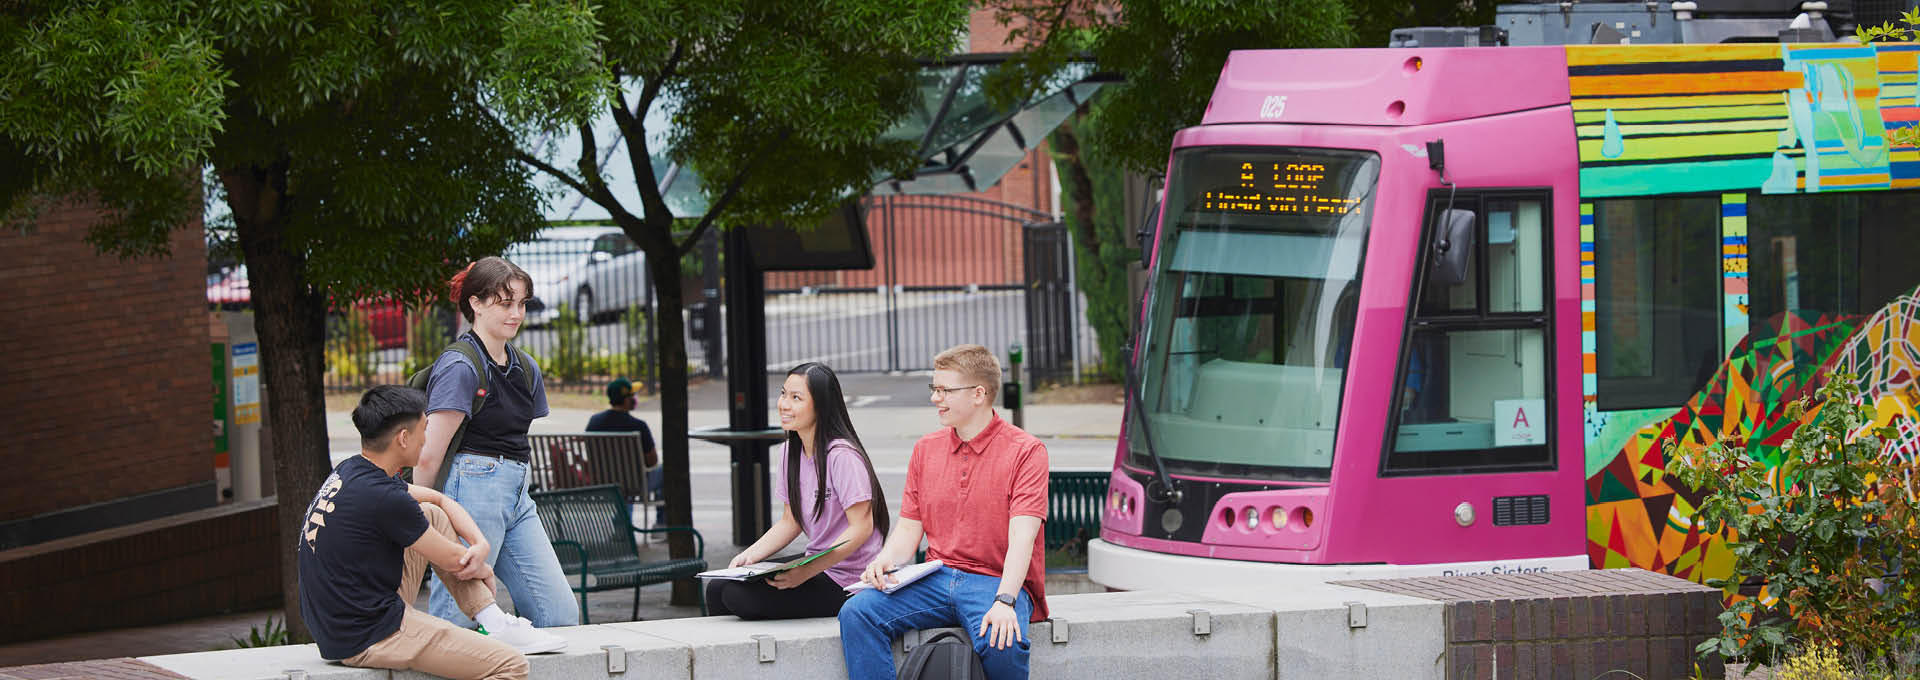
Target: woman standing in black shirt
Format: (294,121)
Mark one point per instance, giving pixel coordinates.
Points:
(489,473)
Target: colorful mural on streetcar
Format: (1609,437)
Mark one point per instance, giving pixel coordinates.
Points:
(1771,119)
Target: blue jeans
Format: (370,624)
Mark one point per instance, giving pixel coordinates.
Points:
(871,620)
(494,491)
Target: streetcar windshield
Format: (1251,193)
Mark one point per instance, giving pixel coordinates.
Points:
(1256,287)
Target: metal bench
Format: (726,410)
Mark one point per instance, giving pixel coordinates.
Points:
(581,459)
(1075,499)
(592,532)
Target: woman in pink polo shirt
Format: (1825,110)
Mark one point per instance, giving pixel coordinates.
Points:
(829,492)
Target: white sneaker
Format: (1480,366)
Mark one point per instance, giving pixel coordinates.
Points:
(521,635)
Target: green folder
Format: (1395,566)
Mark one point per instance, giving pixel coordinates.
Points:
(785,563)
(792,564)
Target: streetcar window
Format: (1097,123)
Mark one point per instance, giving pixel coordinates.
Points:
(1475,375)
(1827,255)
(1657,299)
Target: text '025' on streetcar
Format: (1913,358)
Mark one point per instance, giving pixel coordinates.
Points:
(1425,311)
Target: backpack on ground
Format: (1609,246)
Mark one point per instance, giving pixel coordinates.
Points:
(945,656)
(471,351)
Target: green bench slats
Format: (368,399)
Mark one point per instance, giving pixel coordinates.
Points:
(1075,499)
(592,532)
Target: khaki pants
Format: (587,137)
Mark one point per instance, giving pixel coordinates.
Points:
(433,645)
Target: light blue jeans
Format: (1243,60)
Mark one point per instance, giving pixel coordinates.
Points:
(871,619)
(494,491)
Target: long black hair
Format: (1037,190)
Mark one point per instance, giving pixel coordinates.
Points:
(830,422)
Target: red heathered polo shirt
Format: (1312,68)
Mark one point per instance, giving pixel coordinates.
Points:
(964,493)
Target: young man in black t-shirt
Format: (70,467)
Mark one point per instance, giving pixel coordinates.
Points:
(365,547)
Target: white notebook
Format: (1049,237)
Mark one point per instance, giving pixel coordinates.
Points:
(905,575)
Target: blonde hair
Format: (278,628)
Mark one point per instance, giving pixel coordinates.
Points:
(973,362)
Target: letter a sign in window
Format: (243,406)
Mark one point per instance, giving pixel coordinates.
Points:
(1519,422)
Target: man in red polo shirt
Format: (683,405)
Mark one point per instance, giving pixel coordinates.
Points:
(977,489)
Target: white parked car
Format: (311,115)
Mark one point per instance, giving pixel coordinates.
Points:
(594,270)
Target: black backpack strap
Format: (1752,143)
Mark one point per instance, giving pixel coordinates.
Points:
(472,353)
(468,346)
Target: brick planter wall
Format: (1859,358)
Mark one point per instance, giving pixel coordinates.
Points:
(201,563)
(1575,624)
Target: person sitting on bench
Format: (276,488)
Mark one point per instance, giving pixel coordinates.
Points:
(977,488)
(829,492)
(364,549)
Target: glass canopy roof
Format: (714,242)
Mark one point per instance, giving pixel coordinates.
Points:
(966,143)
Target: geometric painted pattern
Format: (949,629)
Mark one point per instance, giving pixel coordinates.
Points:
(1639,516)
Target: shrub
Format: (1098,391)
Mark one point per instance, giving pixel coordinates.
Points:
(273,636)
(351,349)
(569,360)
(428,334)
(1826,530)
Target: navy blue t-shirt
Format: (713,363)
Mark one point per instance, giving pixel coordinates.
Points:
(352,549)
(616,420)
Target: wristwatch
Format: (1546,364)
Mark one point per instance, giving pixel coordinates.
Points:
(1004,598)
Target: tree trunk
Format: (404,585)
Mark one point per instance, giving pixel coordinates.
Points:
(1078,184)
(671,341)
(290,319)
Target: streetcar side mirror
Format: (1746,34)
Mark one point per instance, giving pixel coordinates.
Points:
(1452,248)
(1144,236)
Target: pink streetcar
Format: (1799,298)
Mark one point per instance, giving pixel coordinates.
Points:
(1421,311)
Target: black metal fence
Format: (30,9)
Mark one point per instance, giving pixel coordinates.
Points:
(948,270)
(589,320)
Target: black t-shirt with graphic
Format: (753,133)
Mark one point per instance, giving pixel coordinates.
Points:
(352,550)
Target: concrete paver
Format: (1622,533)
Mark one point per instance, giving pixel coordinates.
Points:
(103,669)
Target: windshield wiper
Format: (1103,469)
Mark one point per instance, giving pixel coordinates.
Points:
(1135,399)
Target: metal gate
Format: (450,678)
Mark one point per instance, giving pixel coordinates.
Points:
(947,270)
(1050,303)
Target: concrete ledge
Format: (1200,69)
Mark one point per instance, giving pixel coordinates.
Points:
(263,663)
(1101,636)
(1153,634)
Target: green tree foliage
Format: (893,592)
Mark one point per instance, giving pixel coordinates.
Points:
(1374,20)
(1176,47)
(1828,530)
(1095,193)
(780,107)
(355,144)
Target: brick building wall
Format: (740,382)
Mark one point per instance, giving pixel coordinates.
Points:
(105,395)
